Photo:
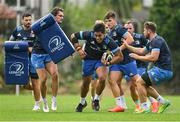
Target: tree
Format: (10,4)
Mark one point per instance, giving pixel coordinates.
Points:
(166,14)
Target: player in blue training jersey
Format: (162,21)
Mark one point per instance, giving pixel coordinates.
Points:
(139,41)
(94,81)
(24,33)
(43,64)
(156,51)
(125,67)
(97,42)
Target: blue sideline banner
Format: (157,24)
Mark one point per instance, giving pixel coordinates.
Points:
(16,62)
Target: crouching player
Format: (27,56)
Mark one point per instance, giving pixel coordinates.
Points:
(156,51)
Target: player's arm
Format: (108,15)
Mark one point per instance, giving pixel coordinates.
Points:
(126,36)
(74,39)
(137,50)
(151,57)
(118,56)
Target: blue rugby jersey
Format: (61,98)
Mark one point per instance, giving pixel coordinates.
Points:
(117,34)
(140,41)
(93,49)
(19,34)
(164,61)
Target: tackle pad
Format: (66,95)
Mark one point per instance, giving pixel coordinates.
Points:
(52,38)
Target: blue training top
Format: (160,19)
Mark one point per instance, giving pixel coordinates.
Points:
(118,33)
(93,49)
(140,41)
(164,61)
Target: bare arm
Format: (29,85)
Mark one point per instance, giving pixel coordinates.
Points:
(137,50)
(151,57)
(77,46)
(129,40)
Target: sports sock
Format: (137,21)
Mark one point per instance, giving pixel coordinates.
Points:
(160,99)
(144,106)
(45,100)
(151,99)
(118,101)
(123,101)
(83,100)
(97,97)
(53,98)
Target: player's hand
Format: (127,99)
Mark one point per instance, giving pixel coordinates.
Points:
(133,55)
(105,62)
(82,53)
(125,44)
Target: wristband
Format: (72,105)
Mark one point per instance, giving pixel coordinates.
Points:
(78,48)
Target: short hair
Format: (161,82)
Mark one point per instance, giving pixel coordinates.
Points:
(56,10)
(131,22)
(110,14)
(134,23)
(26,15)
(99,21)
(99,27)
(150,25)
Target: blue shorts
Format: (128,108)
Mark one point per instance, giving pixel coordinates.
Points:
(90,66)
(140,70)
(158,75)
(129,69)
(39,60)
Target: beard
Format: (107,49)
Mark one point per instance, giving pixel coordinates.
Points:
(147,36)
(28,25)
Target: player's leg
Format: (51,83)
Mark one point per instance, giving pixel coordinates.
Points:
(134,93)
(158,76)
(130,69)
(88,70)
(37,93)
(38,63)
(102,75)
(53,71)
(42,79)
(28,86)
(123,100)
(36,86)
(115,76)
(142,92)
(94,82)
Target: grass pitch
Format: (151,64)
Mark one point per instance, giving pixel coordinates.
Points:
(19,108)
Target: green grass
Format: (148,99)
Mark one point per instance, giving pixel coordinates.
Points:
(13,108)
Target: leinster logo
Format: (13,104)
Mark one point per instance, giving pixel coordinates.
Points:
(16,69)
(55,44)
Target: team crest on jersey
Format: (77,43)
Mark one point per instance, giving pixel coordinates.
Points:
(55,44)
(114,34)
(137,42)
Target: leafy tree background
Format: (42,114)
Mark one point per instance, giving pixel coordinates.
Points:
(166,14)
